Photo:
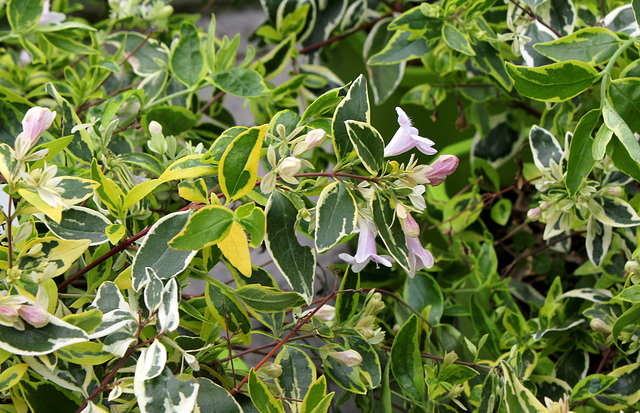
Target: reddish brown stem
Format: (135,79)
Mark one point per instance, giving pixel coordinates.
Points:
(339,37)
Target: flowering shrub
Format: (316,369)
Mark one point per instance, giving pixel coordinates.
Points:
(499,275)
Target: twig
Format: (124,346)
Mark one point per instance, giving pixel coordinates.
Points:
(535,16)
(440,359)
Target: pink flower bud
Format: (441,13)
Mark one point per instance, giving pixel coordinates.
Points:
(34,315)
(442,167)
(615,191)
(35,122)
(411,227)
(8,312)
(534,213)
(349,358)
(315,138)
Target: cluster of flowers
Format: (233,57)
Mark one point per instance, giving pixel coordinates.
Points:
(16,309)
(415,176)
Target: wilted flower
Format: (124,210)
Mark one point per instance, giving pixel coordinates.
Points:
(349,358)
(407,138)
(34,123)
(419,257)
(288,168)
(366,250)
(48,16)
(34,315)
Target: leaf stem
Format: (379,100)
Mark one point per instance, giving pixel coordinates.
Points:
(606,73)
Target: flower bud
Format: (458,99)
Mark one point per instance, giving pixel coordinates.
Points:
(272,370)
(349,358)
(534,214)
(411,227)
(597,324)
(444,166)
(326,313)
(315,138)
(155,128)
(8,312)
(35,122)
(34,315)
(615,191)
(288,168)
(631,266)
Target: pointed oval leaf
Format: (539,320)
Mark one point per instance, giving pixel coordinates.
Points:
(240,82)
(406,362)
(207,227)
(215,399)
(545,147)
(336,216)
(556,82)
(187,62)
(355,106)
(298,374)
(239,164)
(390,229)
(227,310)
(368,144)
(581,162)
(593,45)
(80,223)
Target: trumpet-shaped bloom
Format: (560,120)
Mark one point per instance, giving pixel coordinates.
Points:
(50,17)
(407,138)
(419,257)
(366,250)
(35,122)
(349,358)
(288,168)
(444,166)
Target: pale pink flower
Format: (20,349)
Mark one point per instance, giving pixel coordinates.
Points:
(419,257)
(407,138)
(35,122)
(411,227)
(366,250)
(50,17)
(288,168)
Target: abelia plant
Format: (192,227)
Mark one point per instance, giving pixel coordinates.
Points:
(500,275)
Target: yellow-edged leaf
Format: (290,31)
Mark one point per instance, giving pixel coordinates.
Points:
(34,199)
(115,232)
(123,281)
(62,252)
(194,191)
(88,353)
(239,163)
(235,249)
(11,376)
(189,167)
(140,191)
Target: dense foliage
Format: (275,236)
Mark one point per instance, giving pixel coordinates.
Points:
(506,268)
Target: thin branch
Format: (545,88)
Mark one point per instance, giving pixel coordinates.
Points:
(535,16)
(440,359)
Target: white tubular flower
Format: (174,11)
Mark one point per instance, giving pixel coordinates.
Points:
(419,257)
(315,138)
(288,168)
(326,313)
(407,138)
(366,250)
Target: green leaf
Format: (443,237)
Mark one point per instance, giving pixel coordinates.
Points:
(268,299)
(215,399)
(457,374)
(323,104)
(621,158)
(598,241)
(239,164)
(423,291)
(629,317)
(368,144)
(625,94)
(298,375)
(390,229)
(295,262)
(590,386)
(12,376)
(384,78)
(336,216)
(187,62)
(261,396)
(616,213)
(518,398)
(593,45)
(227,310)
(173,119)
(188,167)
(491,62)
(406,362)
(349,378)
(208,226)
(253,221)
(165,393)
(63,252)
(556,82)
(240,82)
(210,45)
(456,40)
(214,154)
(68,44)
(89,354)
(23,15)
(622,130)
(623,392)
(155,253)
(581,162)
(401,47)
(355,106)
(630,294)
(370,366)
(545,147)
(39,341)
(80,223)
(153,290)
(501,211)
(315,397)
(347,302)
(138,192)
(484,325)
